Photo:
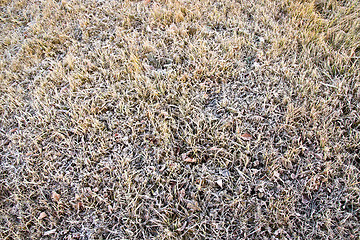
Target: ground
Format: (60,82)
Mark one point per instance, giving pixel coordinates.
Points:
(179,119)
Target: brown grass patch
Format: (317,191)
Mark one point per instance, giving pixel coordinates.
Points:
(179,119)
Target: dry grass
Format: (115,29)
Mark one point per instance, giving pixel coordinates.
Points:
(126,119)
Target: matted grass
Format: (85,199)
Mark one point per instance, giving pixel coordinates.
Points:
(179,119)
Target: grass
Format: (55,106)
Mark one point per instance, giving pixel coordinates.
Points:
(179,119)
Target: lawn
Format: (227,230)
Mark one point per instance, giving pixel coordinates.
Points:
(179,119)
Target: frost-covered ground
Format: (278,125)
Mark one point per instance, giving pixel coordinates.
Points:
(179,119)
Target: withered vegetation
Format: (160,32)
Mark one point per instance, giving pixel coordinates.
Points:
(179,119)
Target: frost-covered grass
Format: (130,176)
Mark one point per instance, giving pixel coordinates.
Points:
(179,119)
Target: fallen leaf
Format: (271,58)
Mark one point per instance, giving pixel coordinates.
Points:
(42,215)
(246,137)
(220,183)
(50,232)
(55,196)
(190,160)
(185,158)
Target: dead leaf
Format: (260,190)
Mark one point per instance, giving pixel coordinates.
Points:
(185,158)
(220,183)
(50,232)
(55,196)
(246,137)
(42,215)
(190,160)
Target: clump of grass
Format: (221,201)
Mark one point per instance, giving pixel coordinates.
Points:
(173,119)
